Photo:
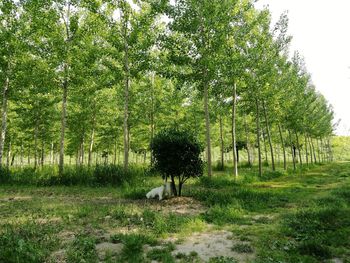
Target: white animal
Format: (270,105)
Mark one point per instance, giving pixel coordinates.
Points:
(161,191)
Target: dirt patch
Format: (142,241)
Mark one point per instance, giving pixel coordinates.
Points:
(58,256)
(179,205)
(16,198)
(212,244)
(110,249)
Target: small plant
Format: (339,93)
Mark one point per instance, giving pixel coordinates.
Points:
(177,155)
(242,248)
(82,249)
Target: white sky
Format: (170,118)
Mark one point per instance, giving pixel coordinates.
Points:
(321,32)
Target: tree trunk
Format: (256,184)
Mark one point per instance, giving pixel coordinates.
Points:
(82,151)
(283,148)
(115,152)
(269,137)
(318,151)
(126,92)
(221,144)
(258,135)
(13,158)
(299,151)
(152,114)
(247,141)
(173,185)
(330,150)
(22,153)
(91,146)
(28,154)
(4,118)
(63,123)
(42,153)
(8,155)
(306,152)
(234,146)
(313,149)
(292,149)
(207,125)
(36,145)
(51,154)
(265,149)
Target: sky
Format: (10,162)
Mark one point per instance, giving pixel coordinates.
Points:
(321,33)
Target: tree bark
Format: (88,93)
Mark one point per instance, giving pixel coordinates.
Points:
(207,125)
(258,134)
(152,113)
(306,152)
(283,148)
(313,149)
(42,153)
(247,141)
(36,145)
(299,151)
(221,144)
(292,149)
(51,154)
(63,124)
(126,91)
(22,153)
(91,145)
(4,118)
(269,137)
(8,155)
(234,145)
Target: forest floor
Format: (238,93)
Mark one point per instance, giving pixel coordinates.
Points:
(303,217)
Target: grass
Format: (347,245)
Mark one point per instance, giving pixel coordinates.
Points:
(283,217)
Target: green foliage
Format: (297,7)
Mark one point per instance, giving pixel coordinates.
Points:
(5,175)
(30,242)
(82,249)
(177,154)
(100,175)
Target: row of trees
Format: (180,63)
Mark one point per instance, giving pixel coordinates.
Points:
(96,78)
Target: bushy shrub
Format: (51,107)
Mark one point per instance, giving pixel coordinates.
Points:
(177,155)
(4,175)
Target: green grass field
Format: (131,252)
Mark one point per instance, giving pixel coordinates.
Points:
(303,217)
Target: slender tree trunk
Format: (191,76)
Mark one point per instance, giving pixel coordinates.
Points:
(63,123)
(152,113)
(313,149)
(13,158)
(310,148)
(28,155)
(8,155)
(269,137)
(82,150)
(221,144)
(22,153)
(330,150)
(306,152)
(51,154)
(258,135)
(292,149)
(299,151)
(91,146)
(207,125)
(115,152)
(247,141)
(283,148)
(4,118)
(36,145)
(265,149)
(234,145)
(126,92)
(42,153)
(318,151)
